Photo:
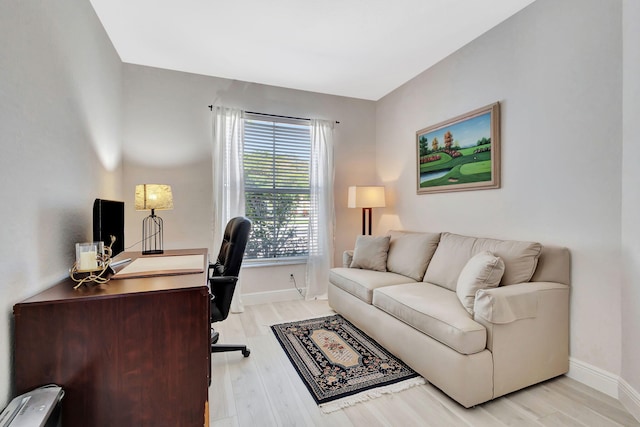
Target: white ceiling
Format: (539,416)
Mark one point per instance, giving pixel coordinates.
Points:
(356,48)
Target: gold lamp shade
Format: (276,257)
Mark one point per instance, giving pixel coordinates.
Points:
(153,196)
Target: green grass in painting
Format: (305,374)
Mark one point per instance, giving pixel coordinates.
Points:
(476,167)
(468,168)
(467,151)
(440,164)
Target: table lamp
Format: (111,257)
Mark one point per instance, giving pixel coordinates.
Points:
(153,196)
(366,198)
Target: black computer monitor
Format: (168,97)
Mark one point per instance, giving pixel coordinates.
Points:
(108,220)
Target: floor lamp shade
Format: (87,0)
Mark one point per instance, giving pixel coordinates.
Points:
(366,198)
(152,197)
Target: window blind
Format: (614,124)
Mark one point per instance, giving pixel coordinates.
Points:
(276,172)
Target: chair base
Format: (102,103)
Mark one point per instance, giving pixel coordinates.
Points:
(219,348)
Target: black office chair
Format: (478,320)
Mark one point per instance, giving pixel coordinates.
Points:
(223,276)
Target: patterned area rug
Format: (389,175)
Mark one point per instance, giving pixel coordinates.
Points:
(341,365)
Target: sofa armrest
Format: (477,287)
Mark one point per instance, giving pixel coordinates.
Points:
(527,332)
(347,257)
(507,304)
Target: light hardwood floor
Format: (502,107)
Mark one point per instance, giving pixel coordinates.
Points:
(265,390)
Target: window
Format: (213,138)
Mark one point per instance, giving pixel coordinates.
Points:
(277,155)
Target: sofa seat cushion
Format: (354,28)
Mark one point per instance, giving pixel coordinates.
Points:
(434,311)
(361,283)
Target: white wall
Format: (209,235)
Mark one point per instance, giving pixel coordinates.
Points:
(167,134)
(569,174)
(555,67)
(60,87)
(631,207)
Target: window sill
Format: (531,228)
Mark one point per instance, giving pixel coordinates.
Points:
(273,262)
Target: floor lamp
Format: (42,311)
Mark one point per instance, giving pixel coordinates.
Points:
(153,196)
(366,198)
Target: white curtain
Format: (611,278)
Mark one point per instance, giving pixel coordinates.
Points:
(228,178)
(322,209)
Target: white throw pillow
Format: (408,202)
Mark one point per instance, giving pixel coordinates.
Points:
(482,271)
(371,252)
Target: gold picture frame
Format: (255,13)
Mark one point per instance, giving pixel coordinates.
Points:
(459,154)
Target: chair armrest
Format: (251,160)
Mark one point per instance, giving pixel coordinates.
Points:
(215,268)
(507,304)
(347,257)
(222,280)
(222,286)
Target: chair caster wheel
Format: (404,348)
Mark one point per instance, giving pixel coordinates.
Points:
(214,336)
(246,352)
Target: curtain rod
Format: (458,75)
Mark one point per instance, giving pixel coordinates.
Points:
(273,115)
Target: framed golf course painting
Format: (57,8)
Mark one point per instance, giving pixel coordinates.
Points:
(459,154)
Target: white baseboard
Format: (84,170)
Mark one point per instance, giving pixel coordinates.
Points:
(271,296)
(629,398)
(594,377)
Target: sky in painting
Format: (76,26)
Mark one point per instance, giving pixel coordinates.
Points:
(466,133)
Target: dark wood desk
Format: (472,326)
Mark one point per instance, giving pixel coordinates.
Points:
(131,352)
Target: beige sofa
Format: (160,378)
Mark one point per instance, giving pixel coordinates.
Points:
(476,317)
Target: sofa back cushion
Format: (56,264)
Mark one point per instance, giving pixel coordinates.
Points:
(520,258)
(554,265)
(410,252)
(371,252)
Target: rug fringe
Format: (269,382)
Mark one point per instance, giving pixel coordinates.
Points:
(367,395)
